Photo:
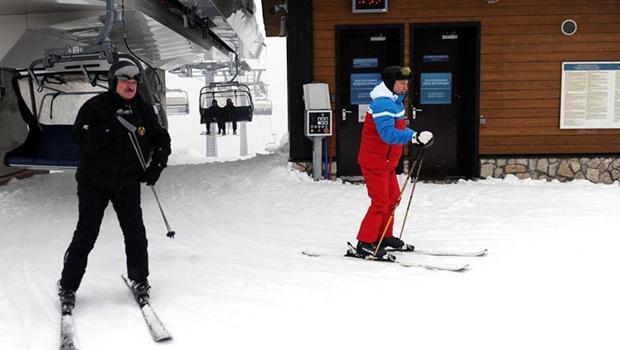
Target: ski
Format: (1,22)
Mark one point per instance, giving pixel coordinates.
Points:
(154,324)
(66,330)
(389,258)
(410,249)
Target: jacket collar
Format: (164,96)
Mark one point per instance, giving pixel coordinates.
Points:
(382,91)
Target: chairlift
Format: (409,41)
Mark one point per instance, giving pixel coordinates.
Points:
(263,106)
(238,93)
(179,104)
(49,84)
(262,103)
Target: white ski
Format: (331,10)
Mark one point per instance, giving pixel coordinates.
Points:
(392,259)
(156,327)
(409,249)
(66,332)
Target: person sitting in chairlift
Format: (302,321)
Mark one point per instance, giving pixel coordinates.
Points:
(230,114)
(221,118)
(212,115)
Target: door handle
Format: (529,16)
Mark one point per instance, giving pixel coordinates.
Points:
(344,114)
(414,111)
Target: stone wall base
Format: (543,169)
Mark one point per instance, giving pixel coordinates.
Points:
(596,169)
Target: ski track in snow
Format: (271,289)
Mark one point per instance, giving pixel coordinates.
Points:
(235,277)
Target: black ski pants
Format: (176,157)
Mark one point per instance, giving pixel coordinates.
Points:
(221,127)
(92,203)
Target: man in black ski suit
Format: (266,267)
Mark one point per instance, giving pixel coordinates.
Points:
(230,114)
(217,113)
(213,114)
(109,170)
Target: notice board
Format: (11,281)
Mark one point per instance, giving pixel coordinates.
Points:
(361,86)
(590,95)
(436,88)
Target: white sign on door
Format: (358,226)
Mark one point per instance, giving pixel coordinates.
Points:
(361,112)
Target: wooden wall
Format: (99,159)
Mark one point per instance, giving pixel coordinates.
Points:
(271,20)
(522,49)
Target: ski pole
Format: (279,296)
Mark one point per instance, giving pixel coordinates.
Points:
(387,224)
(136,146)
(170,232)
(415,182)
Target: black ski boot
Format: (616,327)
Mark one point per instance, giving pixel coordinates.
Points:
(392,242)
(367,250)
(67,299)
(141,291)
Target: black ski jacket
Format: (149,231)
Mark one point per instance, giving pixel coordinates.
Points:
(107,156)
(230,114)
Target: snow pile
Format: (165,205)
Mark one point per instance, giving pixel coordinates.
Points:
(234,278)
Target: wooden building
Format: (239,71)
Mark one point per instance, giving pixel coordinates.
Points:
(502,59)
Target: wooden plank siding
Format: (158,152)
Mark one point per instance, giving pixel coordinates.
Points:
(522,50)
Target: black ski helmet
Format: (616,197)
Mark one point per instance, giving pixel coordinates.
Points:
(123,69)
(393,73)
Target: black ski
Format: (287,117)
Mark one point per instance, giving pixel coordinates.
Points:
(408,248)
(156,327)
(66,329)
(389,258)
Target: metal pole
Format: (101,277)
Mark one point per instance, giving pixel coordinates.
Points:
(243,138)
(316,157)
(136,146)
(402,228)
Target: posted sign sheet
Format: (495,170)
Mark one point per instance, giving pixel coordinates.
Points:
(590,95)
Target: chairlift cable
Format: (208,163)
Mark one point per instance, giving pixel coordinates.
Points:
(236,68)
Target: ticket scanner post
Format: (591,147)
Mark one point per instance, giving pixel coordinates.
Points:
(317,121)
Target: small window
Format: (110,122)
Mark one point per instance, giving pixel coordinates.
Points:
(569,27)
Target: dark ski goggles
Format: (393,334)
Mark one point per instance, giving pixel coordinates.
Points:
(127,77)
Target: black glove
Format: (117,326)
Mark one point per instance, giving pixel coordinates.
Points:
(151,174)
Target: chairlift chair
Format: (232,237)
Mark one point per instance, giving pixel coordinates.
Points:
(179,104)
(238,93)
(263,106)
(49,82)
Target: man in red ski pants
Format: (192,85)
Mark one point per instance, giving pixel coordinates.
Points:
(383,136)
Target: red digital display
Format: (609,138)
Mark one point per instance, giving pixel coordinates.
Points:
(370,5)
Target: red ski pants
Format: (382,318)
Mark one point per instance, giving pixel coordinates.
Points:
(383,191)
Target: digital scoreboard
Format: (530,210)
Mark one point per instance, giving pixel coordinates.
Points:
(365,6)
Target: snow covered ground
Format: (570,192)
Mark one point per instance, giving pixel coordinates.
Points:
(235,278)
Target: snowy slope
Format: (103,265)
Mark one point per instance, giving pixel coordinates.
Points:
(235,279)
